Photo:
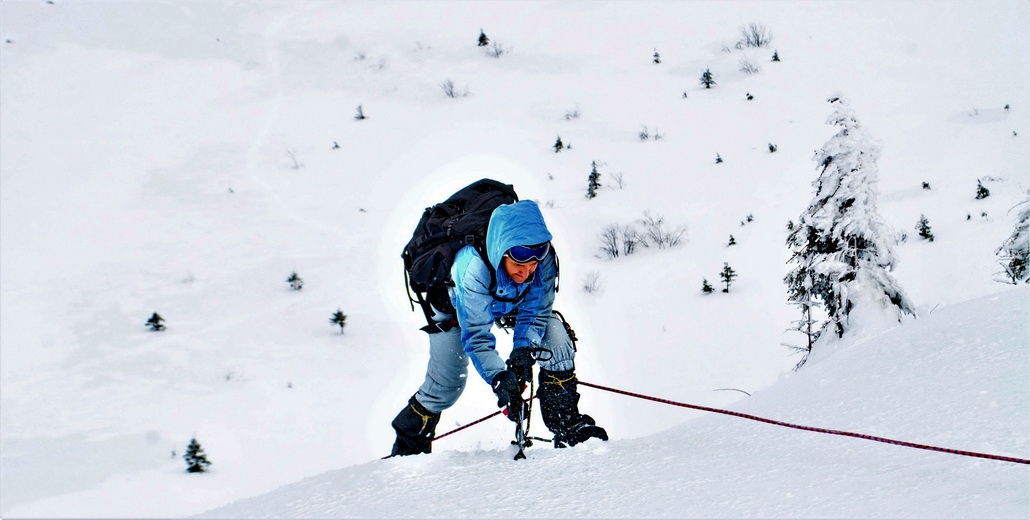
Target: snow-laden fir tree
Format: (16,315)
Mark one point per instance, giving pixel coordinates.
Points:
(1014,253)
(923,227)
(727,274)
(196,460)
(155,323)
(706,287)
(707,78)
(981,191)
(339,318)
(841,249)
(593,181)
(296,282)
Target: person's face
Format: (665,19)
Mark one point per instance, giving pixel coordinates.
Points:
(518,272)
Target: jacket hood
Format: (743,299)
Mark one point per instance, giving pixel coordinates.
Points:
(518,224)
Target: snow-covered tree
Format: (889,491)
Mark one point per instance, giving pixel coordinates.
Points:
(483,40)
(706,287)
(727,274)
(296,282)
(841,249)
(593,181)
(1014,253)
(155,323)
(981,191)
(196,460)
(339,318)
(707,78)
(923,227)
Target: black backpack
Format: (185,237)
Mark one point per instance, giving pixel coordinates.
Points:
(444,229)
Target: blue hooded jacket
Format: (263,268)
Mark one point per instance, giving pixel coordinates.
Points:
(510,225)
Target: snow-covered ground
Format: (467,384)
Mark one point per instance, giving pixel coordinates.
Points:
(178,157)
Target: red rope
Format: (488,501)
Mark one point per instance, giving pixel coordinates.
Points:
(473,423)
(811,429)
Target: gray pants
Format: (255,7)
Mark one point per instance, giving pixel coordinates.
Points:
(448,364)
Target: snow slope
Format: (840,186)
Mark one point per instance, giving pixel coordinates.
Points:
(177,157)
(720,466)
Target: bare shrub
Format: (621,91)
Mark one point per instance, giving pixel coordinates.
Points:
(644,135)
(754,35)
(631,238)
(626,239)
(610,241)
(293,158)
(617,180)
(748,66)
(451,91)
(656,233)
(496,50)
(592,282)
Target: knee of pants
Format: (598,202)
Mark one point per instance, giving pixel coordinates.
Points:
(446,373)
(557,340)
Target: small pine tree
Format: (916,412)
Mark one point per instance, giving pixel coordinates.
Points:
(718,159)
(360,115)
(707,78)
(558,145)
(776,56)
(807,326)
(483,40)
(196,460)
(339,318)
(732,242)
(981,191)
(923,227)
(706,287)
(155,323)
(594,181)
(773,148)
(926,185)
(749,97)
(727,275)
(657,58)
(296,283)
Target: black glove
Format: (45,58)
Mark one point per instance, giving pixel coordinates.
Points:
(521,363)
(509,394)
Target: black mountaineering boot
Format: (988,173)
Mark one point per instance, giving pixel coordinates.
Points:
(559,406)
(415,428)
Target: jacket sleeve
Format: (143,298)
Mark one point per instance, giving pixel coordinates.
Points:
(472,303)
(535,309)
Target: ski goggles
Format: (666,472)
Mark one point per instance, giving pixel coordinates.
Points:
(526,254)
